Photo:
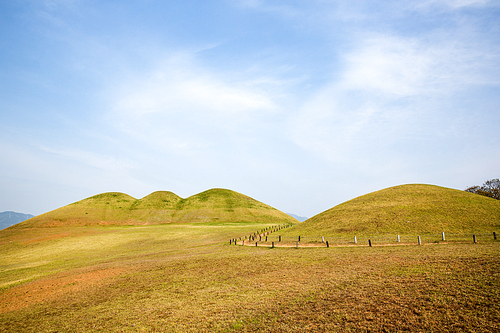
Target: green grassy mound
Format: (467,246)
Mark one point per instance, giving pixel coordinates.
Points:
(215,205)
(220,205)
(407,209)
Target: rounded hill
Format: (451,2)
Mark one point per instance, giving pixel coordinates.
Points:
(221,205)
(158,200)
(407,209)
(114,208)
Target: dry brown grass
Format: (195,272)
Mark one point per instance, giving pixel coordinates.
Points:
(162,283)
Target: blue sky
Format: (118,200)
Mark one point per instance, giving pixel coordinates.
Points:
(299,104)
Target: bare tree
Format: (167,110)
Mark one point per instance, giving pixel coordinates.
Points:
(490,188)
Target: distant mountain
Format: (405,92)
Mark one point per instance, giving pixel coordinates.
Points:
(10,218)
(300,218)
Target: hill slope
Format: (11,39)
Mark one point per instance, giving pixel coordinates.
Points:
(407,209)
(227,206)
(113,208)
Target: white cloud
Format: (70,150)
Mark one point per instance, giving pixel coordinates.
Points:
(175,105)
(408,66)
(388,65)
(168,91)
(392,92)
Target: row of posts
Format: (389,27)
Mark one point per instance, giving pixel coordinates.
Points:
(265,232)
(261,233)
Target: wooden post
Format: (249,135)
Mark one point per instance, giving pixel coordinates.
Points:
(399,239)
(299,238)
(327,245)
(256,243)
(369,243)
(355,240)
(279,239)
(272,245)
(474,238)
(419,241)
(442,236)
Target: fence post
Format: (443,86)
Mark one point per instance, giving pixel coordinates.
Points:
(419,241)
(266,238)
(299,238)
(370,242)
(442,236)
(272,245)
(474,238)
(279,239)
(256,243)
(327,245)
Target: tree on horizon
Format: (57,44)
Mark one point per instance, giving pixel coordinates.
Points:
(490,188)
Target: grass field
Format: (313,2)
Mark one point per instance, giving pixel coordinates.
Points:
(187,278)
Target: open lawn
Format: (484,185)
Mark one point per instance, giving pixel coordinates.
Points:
(187,278)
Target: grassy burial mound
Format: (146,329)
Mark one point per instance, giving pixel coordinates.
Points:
(221,205)
(407,209)
(157,207)
(216,205)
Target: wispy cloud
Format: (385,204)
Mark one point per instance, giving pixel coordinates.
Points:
(381,98)
(106,163)
(388,65)
(152,105)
